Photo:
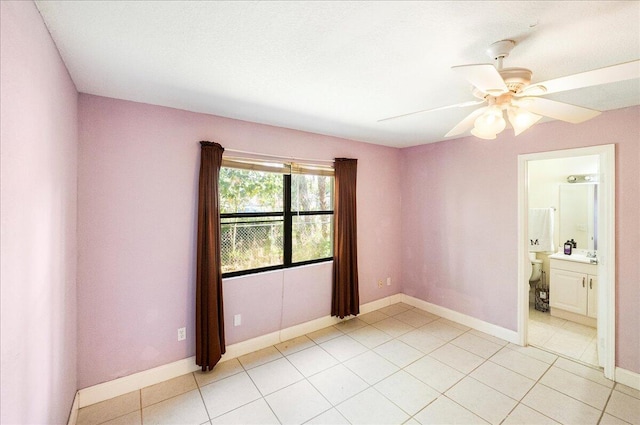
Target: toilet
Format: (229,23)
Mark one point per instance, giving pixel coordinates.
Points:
(536,268)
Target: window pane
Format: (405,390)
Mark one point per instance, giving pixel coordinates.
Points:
(251,243)
(311,193)
(250,191)
(312,237)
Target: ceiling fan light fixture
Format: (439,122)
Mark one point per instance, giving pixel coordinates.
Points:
(510,89)
(490,122)
(521,119)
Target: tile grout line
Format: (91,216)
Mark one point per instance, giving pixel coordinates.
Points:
(256,386)
(471,377)
(573,398)
(579,401)
(306,378)
(519,402)
(611,395)
(201,397)
(530,389)
(140,404)
(604,408)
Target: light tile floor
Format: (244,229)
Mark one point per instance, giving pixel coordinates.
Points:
(563,337)
(397,365)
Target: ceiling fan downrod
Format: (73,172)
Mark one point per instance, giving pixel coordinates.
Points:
(500,50)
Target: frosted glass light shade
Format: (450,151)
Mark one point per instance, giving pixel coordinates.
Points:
(490,122)
(483,135)
(521,119)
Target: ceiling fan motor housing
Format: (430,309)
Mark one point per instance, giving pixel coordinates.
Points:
(516,78)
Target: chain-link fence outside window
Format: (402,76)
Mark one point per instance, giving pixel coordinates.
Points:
(251,244)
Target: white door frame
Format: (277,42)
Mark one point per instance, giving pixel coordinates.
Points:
(606,247)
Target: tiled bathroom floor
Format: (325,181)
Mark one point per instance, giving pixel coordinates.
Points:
(395,365)
(563,337)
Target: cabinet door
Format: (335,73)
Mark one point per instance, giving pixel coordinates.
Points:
(568,291)
(592,296)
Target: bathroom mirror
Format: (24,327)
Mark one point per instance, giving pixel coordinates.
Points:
(578,215)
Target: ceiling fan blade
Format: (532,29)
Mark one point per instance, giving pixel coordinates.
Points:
(609,74)
(558,110)
(484,76)
(466,123)
(458,105)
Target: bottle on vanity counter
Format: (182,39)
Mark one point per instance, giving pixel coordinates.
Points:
(568,247)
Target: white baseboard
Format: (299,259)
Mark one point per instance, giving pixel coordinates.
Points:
(378,304)
(628,378)
(307,327)
(136,381)
(73,415)
(249,346)
(463,319)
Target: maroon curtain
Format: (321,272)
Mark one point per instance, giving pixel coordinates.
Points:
(345,300)
(209,312)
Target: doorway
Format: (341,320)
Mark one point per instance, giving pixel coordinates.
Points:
(605,157)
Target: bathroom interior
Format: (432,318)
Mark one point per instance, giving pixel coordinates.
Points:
(563,220)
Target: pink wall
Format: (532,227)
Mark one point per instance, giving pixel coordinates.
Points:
(138,168)
(38,208)
(459,220)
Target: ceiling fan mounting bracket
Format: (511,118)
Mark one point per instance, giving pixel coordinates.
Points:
(500,49)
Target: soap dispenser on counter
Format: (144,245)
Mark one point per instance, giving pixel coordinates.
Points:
(568,247)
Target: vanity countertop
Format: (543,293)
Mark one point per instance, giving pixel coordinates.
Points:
(578,257)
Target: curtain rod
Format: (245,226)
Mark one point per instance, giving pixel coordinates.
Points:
(278,157)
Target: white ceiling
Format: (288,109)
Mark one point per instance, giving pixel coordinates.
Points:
(336,68)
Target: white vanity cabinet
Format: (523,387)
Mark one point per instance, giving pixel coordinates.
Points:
(573,290)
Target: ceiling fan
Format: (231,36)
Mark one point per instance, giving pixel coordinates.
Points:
(509,89)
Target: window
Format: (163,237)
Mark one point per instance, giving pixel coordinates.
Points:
(274,215)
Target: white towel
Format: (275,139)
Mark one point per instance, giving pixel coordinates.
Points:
(541,230)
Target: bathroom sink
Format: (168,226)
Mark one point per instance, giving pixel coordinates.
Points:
(578,257)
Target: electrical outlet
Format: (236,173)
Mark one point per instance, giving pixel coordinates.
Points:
(388,281)
(380,283)
(182,334)
(237,320)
